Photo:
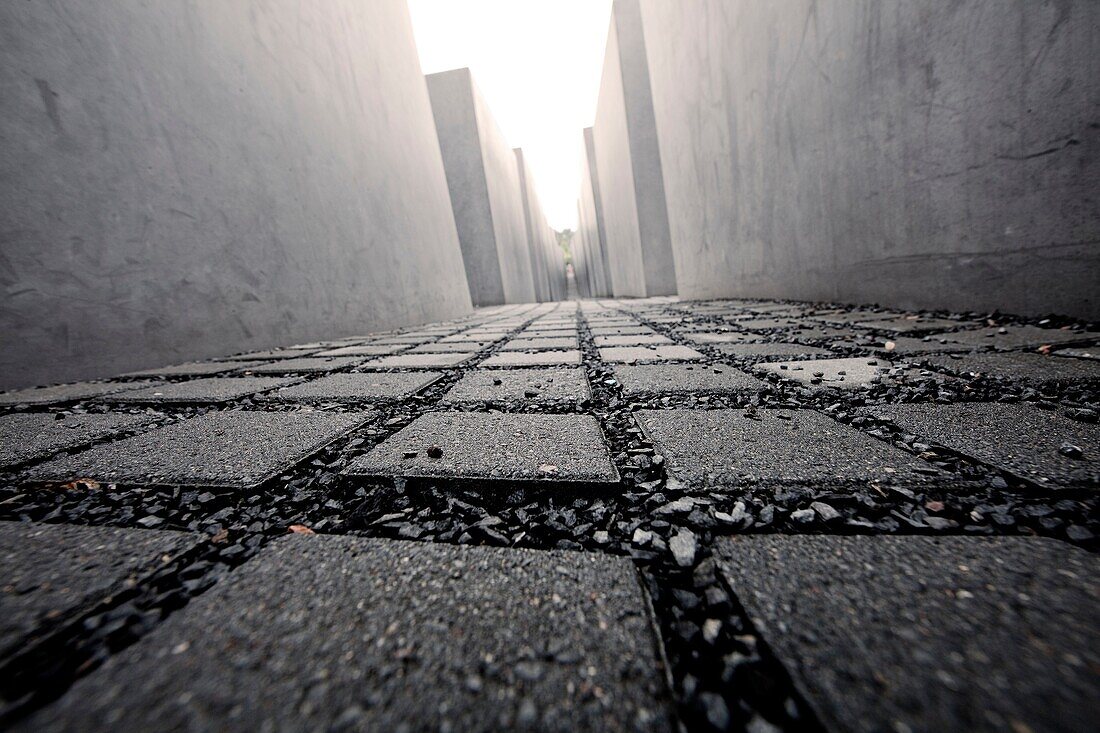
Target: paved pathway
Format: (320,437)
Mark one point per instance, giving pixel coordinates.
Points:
(596,515)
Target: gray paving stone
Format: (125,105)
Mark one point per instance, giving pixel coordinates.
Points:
(928,634)
(638,330)
(535,385)
(198,369)
(631,354)
(632,340)
(771,349)
(847,373)
(207,389)
(539,358)
(1089,352)
(494,446)
(721,337)
(65,392)
(49,572)
(726,448)
(450,347)
(226,449)
(911,346)
(288,353)
(541,344)
(347,387)
(683,378)
(850,317)
(1020,366)
(388,636)
(309,365)
(767,324)
(406,339)
(1019,337)
(912,324)
(28,435)
(1020,439)
(418,361)
(365,350)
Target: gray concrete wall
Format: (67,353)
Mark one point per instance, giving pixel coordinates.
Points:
(628,157)
(591,218)
(186,179)
(916,153)
(485,192)
(534,223)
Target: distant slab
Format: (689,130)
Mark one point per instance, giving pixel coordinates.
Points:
(25,436)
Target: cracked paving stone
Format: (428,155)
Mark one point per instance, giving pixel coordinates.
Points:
(224,449)
(49,572)
(208,389)
(540,344)
(309,365)
(65,392)
(198,369)
(365,350)
(344,633)
(630,354)
(418,361)
(356,386)
(536,385)
(771,349)
(539,358)
(683,378)
(288,353)
(633,340)
(1020,366)
(850,373)
(928,634)
(1023,440)
(728,448)
(24,436)
(476,445)
(1018,337)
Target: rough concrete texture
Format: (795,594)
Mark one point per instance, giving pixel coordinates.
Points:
(1021,337)
(595,272)
(928,634)
(401,636)
(730,448)
(197,369)
(28,435)
(308,365)
(267,354)
(683,378)
(534,385)
(358,386)
(540,344)
(483,181)
(64,392)
(631,354)
(1021,367)
(638,339)
(538,358)
(227,449)
(494,446)
(547,261)
(419,361)
(1020,439)
(209,389)
(851,373)
(771,349)
(915,153)
(50,571)
(182,180)
(631,183)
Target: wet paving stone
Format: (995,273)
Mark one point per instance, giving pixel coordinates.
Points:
(1019,337)
(204,390)
(25,436)
(472,445)
(1037,445)
(1020,366)
(348,387)
(771,349)
(391,636)
(631,354)
(48,572)
(507,385)
(540,344)
(539,358)
(222,449)
(928,634)
(732,448)
(198,369)
(683,379)
(309,365)
(418,361)
(64,392)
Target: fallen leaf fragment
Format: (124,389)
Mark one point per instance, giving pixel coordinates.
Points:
(301,529)
(81,483)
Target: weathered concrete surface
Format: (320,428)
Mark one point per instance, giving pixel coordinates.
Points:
(632,193)
(182,180)
(907,152)
(485,192)
(590,226)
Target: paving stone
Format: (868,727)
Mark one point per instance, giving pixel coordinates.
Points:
(535,385)
(540,344)
(630,354)
(850,317)
(494,446)
(451,347)
(309,365)
(683,378)
(910,346)
(912,324)
(1018,337)
(1020,366)
(409,636)
(198,369)
(365,350)
(208,389)
(270,354)
(418,361)
(540,358)
(777,447)
(1092,352)
(848,373)
(49,572)
(406,339)
(347,387)
(1020,439)
(228,449)
(721,337)
(28,435)
(771,349)
(65,392)
(767,324)
(632,340)
(928,634)
(638,330)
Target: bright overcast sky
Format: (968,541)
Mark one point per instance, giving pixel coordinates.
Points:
(538,64)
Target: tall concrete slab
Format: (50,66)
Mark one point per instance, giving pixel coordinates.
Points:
(485,192)
(546,257)
(181,180)
(915,153)
(628,159)
(591,219)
